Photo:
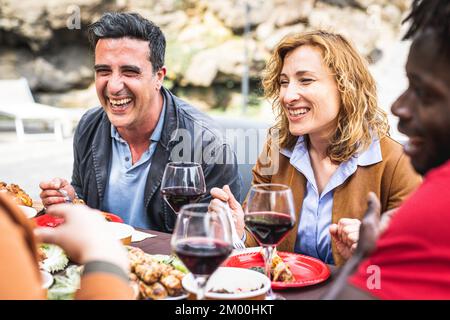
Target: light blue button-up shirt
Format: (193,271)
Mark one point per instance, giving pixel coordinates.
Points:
(313,236)
(124,194)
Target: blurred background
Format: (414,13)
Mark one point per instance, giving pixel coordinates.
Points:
(216,50)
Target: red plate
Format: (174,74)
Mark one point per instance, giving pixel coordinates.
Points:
(47,220)
(112,217)
(307,271)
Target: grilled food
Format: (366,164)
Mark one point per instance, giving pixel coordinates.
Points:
(17,194)
(280,270)
(154,278)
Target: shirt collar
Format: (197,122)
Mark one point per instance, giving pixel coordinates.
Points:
(156,135)
(368,157)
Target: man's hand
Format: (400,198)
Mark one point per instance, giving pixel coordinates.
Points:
(225,195)
(50,193)
(346,235)
(370,227)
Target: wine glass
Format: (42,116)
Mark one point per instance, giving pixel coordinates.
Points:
(202,240)
(269,216)
(182,183)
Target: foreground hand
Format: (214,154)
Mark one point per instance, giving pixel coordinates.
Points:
(84,236)
(370,227)
(346,235)
(225,195)
(50,194)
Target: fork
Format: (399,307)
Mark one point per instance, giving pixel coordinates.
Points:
(67,198)
(237,242)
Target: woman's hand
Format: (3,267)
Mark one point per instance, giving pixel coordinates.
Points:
(225,195)
(84,236)
(346,236)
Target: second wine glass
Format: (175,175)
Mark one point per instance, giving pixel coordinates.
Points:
(269,216)
(182,183)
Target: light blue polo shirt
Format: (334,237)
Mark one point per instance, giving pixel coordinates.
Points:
(313,236)
(124,194)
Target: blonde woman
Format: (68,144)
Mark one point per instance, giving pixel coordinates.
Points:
(330,144)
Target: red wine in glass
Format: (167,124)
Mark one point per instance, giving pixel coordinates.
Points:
(182,183)
(202,240)
(269,216)
(202,256)
(177,197)
(268,227)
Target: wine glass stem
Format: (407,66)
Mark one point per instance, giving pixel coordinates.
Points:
(201,286)
(268,256)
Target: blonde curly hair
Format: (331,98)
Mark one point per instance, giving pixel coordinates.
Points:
(359,115)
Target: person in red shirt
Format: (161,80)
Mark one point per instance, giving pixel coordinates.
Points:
(411,260)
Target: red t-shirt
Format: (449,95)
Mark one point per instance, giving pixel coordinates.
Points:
(412,259)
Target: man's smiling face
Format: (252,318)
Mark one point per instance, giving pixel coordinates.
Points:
(424,108)
(125,81)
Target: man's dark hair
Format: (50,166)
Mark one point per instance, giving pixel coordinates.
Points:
(130,25)
(430,14)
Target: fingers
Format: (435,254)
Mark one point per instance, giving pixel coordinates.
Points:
(46,235)
(55,184)
(49,201)
(60,210)
(234,204)
(216,205)
(219,194)
(334,230)
(50,193)
(347,230)
(373,207)
(386,219)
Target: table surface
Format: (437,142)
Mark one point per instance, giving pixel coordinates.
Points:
(161,245)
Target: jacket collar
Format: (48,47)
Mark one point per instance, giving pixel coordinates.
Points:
(171,121)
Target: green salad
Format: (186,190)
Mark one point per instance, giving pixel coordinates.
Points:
(56,259)
(65,285)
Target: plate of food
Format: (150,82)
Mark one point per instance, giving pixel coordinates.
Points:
(47,220)
(156,277)
(16,193)
(289,270)
(231,284)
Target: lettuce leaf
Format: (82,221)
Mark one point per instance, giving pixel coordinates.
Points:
(65,286)
(171,260)
(56,258)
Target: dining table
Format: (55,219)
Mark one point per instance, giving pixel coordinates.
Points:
(161,245)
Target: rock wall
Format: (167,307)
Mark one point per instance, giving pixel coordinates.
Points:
(45,41)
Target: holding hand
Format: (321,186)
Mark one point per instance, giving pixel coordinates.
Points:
(51,193)
(226,195)
(346,235)
(84,236)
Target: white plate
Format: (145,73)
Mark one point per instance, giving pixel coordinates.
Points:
(29,211)
(244,283)
(47,279)
(121,231)
(182,297)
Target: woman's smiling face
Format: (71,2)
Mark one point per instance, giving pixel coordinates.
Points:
(308,93)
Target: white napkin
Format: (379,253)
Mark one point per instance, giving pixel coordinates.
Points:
(139,236)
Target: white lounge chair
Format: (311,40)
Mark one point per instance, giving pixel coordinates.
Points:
(16,101)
